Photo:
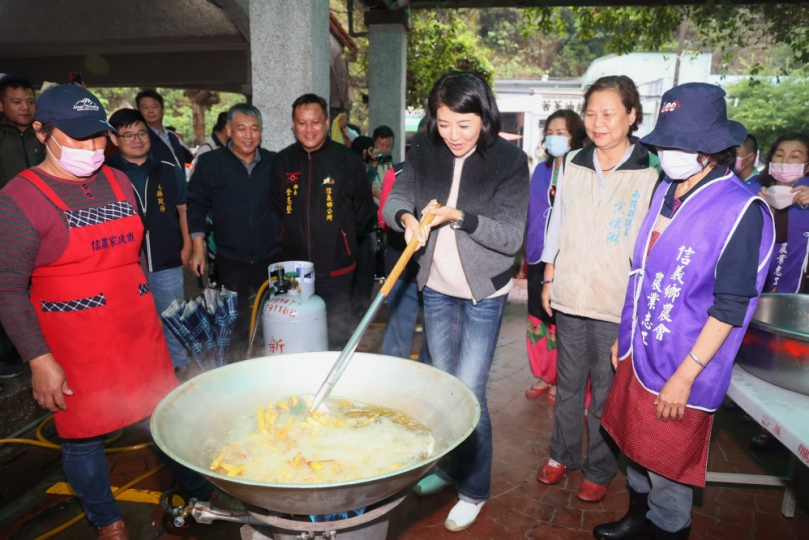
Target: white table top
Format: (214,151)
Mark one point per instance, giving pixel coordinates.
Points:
(785,414)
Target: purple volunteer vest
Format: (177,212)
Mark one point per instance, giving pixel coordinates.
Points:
(671,291)
(788,264)
(539,211)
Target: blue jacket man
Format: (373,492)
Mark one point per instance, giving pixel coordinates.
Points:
(160,188)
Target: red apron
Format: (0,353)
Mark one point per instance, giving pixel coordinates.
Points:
(99,319)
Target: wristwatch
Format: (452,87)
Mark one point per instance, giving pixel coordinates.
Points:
(455,225)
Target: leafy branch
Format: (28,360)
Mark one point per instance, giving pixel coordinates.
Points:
(715,24)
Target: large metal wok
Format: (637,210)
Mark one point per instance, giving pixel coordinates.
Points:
(193,421)
(776,346)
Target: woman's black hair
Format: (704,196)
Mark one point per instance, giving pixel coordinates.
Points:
(573,124)
(580,139)
(766,179)
(723,158)
(46,129)
(626,90)
(464,92)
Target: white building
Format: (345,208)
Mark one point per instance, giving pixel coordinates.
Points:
(526,104)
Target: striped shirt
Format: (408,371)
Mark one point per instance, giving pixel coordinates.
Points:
(34,233)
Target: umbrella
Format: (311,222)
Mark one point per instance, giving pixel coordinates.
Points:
(204,325)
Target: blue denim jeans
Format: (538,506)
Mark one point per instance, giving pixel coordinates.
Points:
(86,469)
(461,339)
(404,302)
(166,285)
(669,501)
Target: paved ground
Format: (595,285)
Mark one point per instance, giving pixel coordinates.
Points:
(519,508)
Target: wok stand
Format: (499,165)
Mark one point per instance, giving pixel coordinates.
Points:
(371,525)
(259,524)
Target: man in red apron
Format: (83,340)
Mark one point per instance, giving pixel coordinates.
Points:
(90,333)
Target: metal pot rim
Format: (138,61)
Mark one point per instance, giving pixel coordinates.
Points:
(774,328)
(243,365)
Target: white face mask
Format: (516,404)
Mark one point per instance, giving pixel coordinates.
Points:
(787,173)
(557,145)
(79,162)
(679,165)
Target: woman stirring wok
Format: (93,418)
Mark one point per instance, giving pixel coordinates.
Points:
(87,325)
(698,267)
(465,271)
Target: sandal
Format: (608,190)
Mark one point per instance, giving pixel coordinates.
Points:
(551,399)
(533,393)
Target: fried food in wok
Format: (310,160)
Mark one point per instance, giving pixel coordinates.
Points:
(285,443)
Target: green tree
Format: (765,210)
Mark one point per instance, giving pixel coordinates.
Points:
(515,54)
(441,41)
(178,112)
(718,25)
(511,56)
(771,107)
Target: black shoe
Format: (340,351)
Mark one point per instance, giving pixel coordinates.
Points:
(660,534)
(633,526)
(8,370)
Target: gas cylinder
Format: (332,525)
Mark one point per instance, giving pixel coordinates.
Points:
(293,319)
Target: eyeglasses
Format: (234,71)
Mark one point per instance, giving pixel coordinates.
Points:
(139,135)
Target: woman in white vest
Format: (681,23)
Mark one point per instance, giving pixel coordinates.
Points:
(597,213)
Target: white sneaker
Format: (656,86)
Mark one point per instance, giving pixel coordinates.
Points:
(462,516)
(430,485)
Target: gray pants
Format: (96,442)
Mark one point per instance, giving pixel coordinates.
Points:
(669,501)
(584,350)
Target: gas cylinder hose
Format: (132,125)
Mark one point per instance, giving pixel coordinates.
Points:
(45,443)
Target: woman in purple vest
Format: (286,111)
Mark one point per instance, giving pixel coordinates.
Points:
(787,165)
(540,339)
(698,268)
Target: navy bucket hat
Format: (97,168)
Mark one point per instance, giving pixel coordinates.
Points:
(72,109)
(694,118)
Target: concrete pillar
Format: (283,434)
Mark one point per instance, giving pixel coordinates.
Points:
(387,65)
(289,49)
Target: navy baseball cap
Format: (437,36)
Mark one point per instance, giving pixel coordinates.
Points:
(72,109)
(694,118)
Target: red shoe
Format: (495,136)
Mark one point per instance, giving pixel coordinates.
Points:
(590,492)
(551,473)
(551,399)
(533,393)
